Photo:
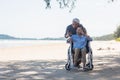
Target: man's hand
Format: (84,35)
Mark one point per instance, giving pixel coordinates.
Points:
(69,39)
(88,37)
(68,34)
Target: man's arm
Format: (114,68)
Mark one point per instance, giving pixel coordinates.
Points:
(67,33)
(89,38)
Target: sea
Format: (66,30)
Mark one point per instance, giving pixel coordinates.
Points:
(17,43)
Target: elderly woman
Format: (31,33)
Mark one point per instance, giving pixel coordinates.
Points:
(79,41)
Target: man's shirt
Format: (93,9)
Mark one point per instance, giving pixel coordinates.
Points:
(72,30)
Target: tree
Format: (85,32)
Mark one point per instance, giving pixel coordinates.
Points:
(65,3)
(62,4)
(105,37)
(117,32)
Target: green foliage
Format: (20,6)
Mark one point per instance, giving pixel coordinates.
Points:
(118,39)
(117,32)
(62,4)
(66,3)
(3,36)
(105,37)
(47,3)
(61,38)
(8,37)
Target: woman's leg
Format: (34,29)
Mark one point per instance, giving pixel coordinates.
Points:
(83,51)
(76,56)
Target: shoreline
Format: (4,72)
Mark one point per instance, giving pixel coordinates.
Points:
(54,50)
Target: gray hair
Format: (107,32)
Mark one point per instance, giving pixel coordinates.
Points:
(76,20)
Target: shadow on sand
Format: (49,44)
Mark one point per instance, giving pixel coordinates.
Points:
(106,68)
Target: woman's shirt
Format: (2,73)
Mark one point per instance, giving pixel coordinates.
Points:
(79,41)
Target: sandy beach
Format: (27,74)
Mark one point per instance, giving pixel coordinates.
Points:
(46,62)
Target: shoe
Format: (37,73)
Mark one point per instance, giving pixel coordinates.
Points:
(75,68)
(79,66)
(85,69)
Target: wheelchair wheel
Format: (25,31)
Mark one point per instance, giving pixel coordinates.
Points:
(88,65)
(67,67)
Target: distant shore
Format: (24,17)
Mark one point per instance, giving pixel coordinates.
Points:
(99,38)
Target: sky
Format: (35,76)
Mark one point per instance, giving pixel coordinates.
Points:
(29,18)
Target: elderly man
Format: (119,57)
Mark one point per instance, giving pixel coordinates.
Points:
(71,29)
